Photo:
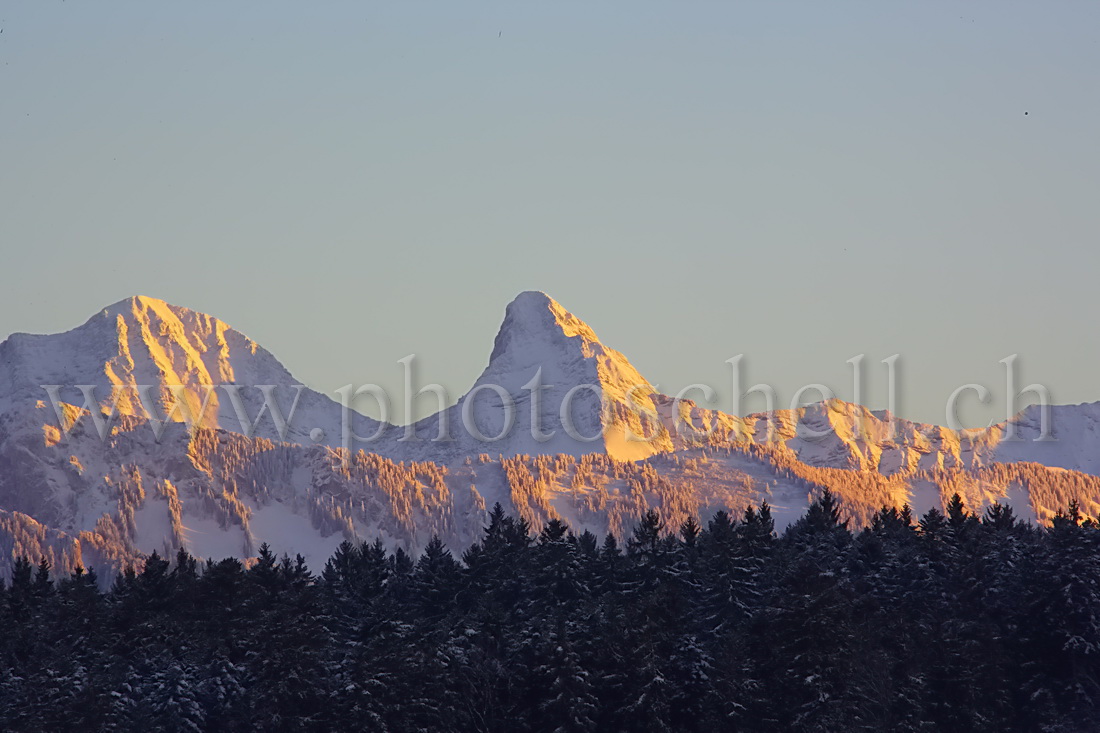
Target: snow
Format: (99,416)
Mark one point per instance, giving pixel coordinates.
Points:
(543,349)
(145,341)
(924,495)
(1018,498)
(154,528)
(287,531)
(205,539)
(299,497)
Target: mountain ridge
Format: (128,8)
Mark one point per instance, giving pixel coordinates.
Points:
(77,497)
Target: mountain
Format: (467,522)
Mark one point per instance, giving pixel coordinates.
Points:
(564,390)
(165,473)
(183,359)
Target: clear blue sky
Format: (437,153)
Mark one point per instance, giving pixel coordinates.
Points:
(349,183)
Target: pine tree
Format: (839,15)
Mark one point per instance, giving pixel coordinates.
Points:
(436,582)
(287,676)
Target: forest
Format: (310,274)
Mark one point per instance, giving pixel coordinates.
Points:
(946,622)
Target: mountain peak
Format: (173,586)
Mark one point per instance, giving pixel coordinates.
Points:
(135,301)
(136,341)
(536,329)
(542,347)
(534,318)
(138,305)
(532,296)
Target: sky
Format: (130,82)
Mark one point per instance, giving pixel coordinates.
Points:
(349,183)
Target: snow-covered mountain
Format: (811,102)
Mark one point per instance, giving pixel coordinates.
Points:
(171,364)
(167,473)
(551,387)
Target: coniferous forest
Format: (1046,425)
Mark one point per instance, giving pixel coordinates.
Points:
(947,622)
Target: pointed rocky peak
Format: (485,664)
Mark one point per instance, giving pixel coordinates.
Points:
(540,342)
(534,309)
(534,320)
(538,332)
